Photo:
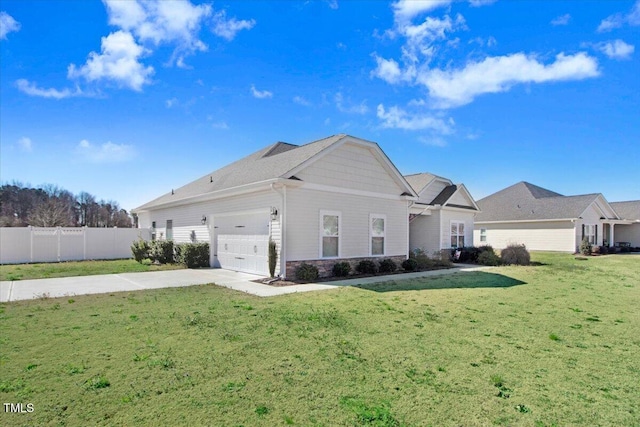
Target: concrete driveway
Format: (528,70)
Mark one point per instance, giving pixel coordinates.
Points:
(106,283)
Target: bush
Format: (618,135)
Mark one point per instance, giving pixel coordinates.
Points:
(273,257)
(465,254)
(585,247)
(307,272)
(387,265)
(515,254)
(366,267)
(488,258)
(341,269)
(410,264)
(140,250)
(193,255)
(161,251)
(423,261)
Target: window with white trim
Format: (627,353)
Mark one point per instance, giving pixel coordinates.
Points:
(169,229)
(330,234)
(153,230)
(457,234)
(483,234)
(377,231)
(590,233)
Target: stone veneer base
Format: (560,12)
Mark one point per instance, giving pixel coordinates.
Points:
(325,266)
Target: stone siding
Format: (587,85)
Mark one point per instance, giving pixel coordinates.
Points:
(325,266)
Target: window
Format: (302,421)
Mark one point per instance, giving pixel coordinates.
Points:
(153,230)
(377,233)
(169,229)
(590,233)
(457,234)
(330,234)
(483,234)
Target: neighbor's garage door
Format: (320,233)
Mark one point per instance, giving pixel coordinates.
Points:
(242,242)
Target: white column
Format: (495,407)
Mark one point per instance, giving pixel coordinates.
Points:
(612,242)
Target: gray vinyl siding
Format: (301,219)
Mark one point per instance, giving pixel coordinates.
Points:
(303,223)
(449,215)
(424,231)
(351,166)
(538,236)
(627,233)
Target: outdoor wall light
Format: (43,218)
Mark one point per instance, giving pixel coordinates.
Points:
(204,219)
(274,213)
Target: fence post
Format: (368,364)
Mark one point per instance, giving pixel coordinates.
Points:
(30,244)
(84,243)
(59,233)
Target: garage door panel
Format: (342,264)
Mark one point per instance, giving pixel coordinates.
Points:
(242,242)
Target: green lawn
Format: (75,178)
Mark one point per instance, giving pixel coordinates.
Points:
(552,344)
(77,268)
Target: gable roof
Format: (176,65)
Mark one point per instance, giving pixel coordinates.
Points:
(420,181)
(627,210)
(527,202)
(279,160)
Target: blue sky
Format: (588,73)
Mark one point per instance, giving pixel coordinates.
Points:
(128,99)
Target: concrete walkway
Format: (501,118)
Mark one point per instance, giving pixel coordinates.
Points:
(107,283)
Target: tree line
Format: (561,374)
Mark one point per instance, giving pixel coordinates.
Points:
(52,206)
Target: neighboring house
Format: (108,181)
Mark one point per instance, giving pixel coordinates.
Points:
(443,215)
(339,198)
(545,220)
(628,233)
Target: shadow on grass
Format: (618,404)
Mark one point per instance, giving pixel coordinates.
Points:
(477,279)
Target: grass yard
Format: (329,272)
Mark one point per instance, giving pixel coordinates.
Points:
(556,344)
(77,268)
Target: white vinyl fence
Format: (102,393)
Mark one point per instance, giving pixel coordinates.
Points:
(34,244)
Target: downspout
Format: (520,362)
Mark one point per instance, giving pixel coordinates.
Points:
(283,257)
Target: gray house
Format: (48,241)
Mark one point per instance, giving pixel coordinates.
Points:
(545,220)
(628,233)
(338,198)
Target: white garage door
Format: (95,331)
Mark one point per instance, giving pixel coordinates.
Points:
(242,242)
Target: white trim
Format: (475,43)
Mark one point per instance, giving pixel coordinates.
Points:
(321,232)
(462,187)
(527,220)
(244,212)
(383,217)
(254,187)
(353,192)
(481,235)
(464,233)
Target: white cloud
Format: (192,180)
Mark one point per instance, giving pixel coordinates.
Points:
(260,94)
(561,20)
(616,49)
(220,125)
(171,102)
(478,3)
(434,140)
(177,22)
(397,118)
(333,4)
(228,28)
(32,89)
(452,88)
(26,144)
(389,70)
(406,10)
(350,109)
(618,20)
(421,38)
(7,25)
(118,62)
(301,101)
(105,153)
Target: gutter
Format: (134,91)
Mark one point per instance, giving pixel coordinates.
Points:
(283,234)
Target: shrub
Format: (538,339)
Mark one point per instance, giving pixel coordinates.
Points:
(585,247)
(161,251)
(515,254)
(140,250)
(341,269)
(465,254)
(387,265)
(307,272)
(273,257)
(423,261)
(366,267)
(193,255)
(488,258)
(410,264)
